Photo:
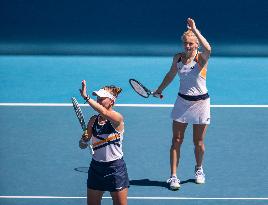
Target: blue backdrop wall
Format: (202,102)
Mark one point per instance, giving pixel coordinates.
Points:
(131,27)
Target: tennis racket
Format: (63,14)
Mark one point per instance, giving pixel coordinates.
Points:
(142,90)
(80,117)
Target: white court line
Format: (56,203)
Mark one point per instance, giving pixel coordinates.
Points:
(122,105)
(137,198)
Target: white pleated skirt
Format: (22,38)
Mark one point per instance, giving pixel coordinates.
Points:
(193,112)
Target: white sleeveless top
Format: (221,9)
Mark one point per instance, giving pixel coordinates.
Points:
(192,78)
(106,141)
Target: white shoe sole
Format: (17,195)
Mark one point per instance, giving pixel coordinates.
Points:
(200,181)
(174,188)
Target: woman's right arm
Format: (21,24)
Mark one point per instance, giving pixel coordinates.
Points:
(87,136)
(169,76)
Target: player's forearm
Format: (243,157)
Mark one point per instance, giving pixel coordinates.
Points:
(203,42)
(96,106)
(104,112)
(167,80)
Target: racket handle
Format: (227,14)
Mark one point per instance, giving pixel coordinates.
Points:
(85,133)
(84,141)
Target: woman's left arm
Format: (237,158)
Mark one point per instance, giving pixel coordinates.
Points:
(203,42)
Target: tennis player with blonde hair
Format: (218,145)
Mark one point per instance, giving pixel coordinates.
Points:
(193,102)
(107,171)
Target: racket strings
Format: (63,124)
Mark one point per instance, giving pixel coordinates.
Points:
(139,89)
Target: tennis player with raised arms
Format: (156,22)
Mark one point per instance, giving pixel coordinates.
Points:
(193,103)
(107,171)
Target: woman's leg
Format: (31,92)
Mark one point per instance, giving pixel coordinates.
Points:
(94,197)
(178,136)
(199,132)
(120,197)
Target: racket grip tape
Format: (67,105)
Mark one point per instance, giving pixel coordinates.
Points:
(85,136)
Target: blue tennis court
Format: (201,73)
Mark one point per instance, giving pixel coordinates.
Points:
(41,162)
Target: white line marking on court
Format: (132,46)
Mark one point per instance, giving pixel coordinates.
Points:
(122,105)
(38,104)
(137,198)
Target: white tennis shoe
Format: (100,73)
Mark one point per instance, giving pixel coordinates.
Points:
(199,175)
(174,183)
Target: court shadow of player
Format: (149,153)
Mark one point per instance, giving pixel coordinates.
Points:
(81,169)
(141,182)
(148,182)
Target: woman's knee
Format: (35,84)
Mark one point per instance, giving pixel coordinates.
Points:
(199,144)
(120,198)
(94,197)
(176,142)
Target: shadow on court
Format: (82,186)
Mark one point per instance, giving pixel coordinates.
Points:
(148,182)
(81,169)
(142,182)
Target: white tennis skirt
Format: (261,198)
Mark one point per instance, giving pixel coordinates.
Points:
(193,112)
